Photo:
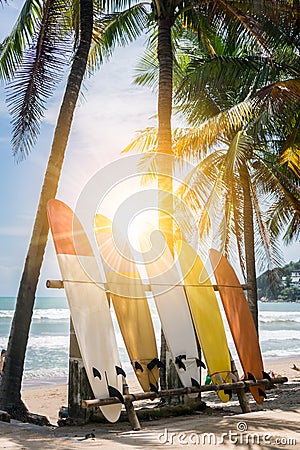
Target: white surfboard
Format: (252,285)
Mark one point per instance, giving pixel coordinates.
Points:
(88,306)
(172,307)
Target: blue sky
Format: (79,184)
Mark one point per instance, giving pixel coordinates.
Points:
(113,110)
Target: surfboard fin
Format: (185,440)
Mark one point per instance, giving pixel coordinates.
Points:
(195,383)
(251,377)
(232,377)
(228,392)
(200,363)
(219,378)
(155,362)
(113,392)
(138,366)
(120,371)
(96,373)
(153,388)
(262,393)
(266,375)
(179,362)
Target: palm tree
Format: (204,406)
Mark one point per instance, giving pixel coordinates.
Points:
(213,78)
(10,397)
(205,18)
(245,183)
(49,23)
(275,143)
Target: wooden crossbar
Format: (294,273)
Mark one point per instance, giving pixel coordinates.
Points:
(130,398)
(59,284)
(181,391)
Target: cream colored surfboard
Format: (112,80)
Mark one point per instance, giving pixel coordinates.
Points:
(130,303)
(172,308)
(206,316)
(88,306)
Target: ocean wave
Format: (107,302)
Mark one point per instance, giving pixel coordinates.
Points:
(39,374)
(279,315)
(281,353)
(279,335)
(48,342)
(56,315)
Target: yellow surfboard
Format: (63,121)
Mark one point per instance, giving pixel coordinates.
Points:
(130,304)
(206,316)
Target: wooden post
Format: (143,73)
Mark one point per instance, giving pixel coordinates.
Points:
(132,417)
(78,386)
(241,394)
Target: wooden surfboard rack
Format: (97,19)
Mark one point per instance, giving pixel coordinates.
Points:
(130,398)
(239,386)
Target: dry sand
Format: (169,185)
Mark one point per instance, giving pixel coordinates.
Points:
(275,424)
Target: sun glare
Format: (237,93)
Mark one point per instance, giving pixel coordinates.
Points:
(139,228)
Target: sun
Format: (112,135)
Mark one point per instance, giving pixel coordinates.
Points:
(140,226)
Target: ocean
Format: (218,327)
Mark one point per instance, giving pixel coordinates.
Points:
(47,353)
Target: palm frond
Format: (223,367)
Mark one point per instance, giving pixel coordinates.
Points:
(238,219)
(42,69)
(240,25)
(291,158)
(115,29)
(14,45)
(146,141)
(284,222)
(215,131)
(268,251)
(147,69)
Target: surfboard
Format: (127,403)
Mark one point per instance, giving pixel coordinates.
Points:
(206,316)
(240,320)
(130,303)
(172,308)
(88,305)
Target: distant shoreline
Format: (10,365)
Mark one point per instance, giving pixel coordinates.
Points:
(279,301)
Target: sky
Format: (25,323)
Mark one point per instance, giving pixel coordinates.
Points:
(104,124)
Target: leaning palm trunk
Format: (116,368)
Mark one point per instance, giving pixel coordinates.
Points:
(10,389)
(250,247)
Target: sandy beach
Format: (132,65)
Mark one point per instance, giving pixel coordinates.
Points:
(48,400)
(275,424)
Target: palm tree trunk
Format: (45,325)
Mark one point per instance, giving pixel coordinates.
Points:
(250,247)
(10,388)
(165,182)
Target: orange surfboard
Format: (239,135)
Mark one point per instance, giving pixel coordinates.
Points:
(240,321)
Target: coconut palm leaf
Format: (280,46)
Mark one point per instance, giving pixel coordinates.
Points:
(215,131)
(13,46)
(283,220)
(147,69)
(291,158)
(115,29)
(42,69)
(146,141)
(268,250)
